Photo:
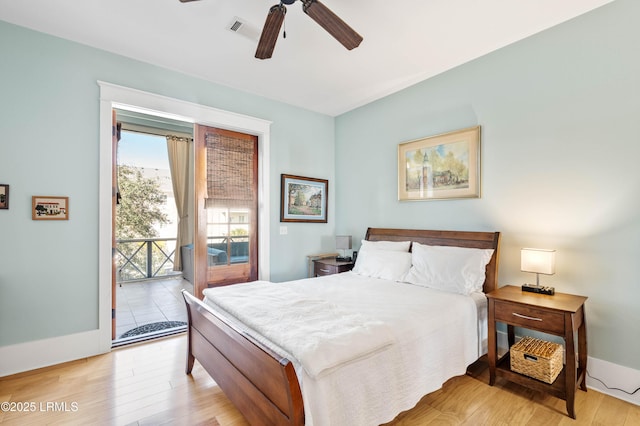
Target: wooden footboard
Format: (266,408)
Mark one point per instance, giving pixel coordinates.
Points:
(261,384)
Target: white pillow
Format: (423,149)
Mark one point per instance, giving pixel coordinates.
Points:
(452,269)
(385,245)
(386,264)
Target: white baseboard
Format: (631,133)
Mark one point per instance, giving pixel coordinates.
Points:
(614,375)
(43,353)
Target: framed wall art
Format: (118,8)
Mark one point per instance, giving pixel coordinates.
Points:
(49,208)
(303,199)
(440,167)
(4,196)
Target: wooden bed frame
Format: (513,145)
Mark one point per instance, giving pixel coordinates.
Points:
(264,386)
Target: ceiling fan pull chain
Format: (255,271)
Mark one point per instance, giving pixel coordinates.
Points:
(284,32)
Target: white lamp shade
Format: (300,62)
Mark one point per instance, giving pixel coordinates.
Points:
(343,242)
(540,261)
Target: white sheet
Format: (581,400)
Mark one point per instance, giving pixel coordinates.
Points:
(437,335)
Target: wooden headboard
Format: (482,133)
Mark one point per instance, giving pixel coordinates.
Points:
(472,239)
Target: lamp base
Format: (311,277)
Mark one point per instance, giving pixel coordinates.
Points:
(534,288)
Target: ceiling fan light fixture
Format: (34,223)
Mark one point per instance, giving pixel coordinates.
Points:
(270,31)
(332,23)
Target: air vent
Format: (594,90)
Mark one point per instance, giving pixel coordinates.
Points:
(236,26)
(241,27)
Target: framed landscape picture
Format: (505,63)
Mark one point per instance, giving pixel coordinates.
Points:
(4,196)
(303,199)
(440,167)
(49,208)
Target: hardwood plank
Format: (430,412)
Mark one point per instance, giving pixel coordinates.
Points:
(460,397)
(633,417)
(587,404)
(146,385)
(613,413)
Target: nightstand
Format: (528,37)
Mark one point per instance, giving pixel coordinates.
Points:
(330,266)
(561,315)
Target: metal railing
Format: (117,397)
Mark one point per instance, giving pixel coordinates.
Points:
(144,258)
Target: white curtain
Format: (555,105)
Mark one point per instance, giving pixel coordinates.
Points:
(178,149)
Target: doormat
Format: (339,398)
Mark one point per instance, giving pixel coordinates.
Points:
(154,327)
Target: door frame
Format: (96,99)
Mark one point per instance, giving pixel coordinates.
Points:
(115,96)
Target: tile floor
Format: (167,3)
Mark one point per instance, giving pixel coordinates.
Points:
(144,302)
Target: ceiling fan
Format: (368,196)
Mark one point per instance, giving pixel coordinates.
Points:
(317,11)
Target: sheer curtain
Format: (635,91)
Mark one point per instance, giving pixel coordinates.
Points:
(178,149)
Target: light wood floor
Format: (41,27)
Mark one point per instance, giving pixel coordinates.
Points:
(146,385)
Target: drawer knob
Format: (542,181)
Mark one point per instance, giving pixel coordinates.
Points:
(526,317)
(325,270)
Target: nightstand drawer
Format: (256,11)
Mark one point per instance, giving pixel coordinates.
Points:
(325,269)
(527,316)
(330,266)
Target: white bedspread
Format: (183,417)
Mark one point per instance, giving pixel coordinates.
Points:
(435,337)
(320,334)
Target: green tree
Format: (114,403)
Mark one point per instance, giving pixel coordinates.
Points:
(301,200)
(40,210)
(140,209)
(296,191)
(141,204)
(418,158)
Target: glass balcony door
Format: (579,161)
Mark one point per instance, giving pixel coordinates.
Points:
(226,207)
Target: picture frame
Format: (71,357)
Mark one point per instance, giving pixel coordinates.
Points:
(46,207)
(4,197)
(445,166)
(303,199)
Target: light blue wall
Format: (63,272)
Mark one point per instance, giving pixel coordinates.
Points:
(49,118)
(560,148)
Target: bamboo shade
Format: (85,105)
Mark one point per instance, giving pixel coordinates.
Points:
(229,170)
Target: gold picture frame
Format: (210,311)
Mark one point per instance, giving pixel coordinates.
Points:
(44,207)
(445,166)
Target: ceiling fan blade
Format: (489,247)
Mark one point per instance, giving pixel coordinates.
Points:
(186,1)
(332,23)
(271,31)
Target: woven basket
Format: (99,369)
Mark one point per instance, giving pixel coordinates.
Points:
(537,358)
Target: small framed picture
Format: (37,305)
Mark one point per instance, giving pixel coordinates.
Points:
(303,199)
(49,208)
(4,196)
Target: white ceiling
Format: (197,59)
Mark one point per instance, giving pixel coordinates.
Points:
(404,42)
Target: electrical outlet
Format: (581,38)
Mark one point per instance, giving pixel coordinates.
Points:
(284,230)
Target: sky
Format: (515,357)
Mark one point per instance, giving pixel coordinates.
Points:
(142,150)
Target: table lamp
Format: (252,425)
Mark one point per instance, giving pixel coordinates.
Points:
(539,261)
(343,242)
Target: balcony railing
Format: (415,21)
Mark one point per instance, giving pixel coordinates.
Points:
(144,258)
